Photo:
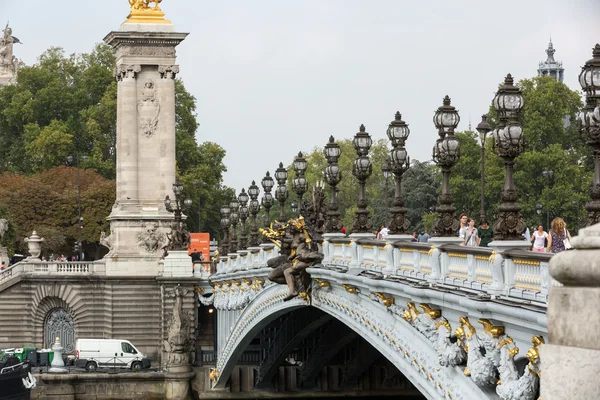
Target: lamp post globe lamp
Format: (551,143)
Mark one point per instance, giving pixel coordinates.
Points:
(254,208)
(267,184)
(225,224)
(446,154)
(333,176)
(483,128)
(299,183)
(589,118)
(508,142)
(385,170)
(397,133)
(234,218)
(243,199)
(362,170)
(281,193)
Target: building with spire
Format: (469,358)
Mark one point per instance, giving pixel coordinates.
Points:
(551,67)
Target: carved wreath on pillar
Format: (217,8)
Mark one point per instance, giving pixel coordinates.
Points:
(148,109)
(151,240)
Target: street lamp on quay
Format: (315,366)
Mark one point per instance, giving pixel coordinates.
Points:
(508,141)
(70,160)
(538,210)
(362,169)
(281,193)
(294,207)
(398,132)
(333,176)
(589,78)
(548,174)
(483,128)
(446,154)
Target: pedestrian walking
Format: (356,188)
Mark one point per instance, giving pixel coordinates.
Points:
(558,240)
(470,238)
(539,239)
(485,233)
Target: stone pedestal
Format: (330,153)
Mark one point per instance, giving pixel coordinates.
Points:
(437,241)
(178,264)
(501,245)
(58,365)
(571,360)
(145,72)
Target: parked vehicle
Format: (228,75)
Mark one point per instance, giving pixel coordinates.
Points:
(114,353)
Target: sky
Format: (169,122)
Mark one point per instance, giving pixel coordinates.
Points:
(274,77)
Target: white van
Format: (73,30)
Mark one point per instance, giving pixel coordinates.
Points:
(93,353)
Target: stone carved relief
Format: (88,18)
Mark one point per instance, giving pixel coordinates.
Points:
(123,71)
(151,240)
(179,340)
(168,71)
(107,241)
(158,51)
(148,109)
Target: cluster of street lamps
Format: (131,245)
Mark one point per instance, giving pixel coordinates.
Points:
(507,141)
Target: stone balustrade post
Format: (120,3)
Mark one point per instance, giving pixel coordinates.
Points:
(571,358)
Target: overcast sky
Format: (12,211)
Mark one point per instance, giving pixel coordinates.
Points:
(274,77)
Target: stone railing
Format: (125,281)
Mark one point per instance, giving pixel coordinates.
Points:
(53,268)
(514,274)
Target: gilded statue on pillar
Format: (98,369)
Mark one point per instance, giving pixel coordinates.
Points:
(142,12)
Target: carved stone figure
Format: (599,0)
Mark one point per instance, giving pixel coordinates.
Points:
(525,387)
(179,339)
(152,240)
(148,109)
(449,348)
(9,64)
(106,241)
(483,353)
(179,237)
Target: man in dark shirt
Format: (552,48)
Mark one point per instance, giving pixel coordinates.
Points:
(195,256)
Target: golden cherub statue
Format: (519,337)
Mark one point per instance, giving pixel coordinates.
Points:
(142,12)
(137,5)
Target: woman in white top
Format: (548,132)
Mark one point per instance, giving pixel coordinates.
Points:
(470,236)
(538,238)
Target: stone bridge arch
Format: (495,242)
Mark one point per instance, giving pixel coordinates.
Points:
(392,336)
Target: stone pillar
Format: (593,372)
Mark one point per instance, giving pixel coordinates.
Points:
(571,359)
(145,72)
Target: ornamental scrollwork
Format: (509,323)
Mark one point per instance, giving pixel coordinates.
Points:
(150,239)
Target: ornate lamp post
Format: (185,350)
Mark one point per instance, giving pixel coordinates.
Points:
(508,140)
(548,174)
(398,132)
(225,223)
(299,183)
(589,78)
(267,199)
(333,176)
(281,193)
(385,169)
(234,217)
(180,237)
(294,207)
(362,169)
(243,200)
(254,208)
(446,154)
(79,245)
(483,128)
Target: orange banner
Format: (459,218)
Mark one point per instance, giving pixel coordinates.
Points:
(201,242)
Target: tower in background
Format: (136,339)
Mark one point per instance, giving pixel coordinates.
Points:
(551,67)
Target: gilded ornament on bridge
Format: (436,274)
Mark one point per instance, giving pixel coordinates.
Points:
(142,13)
(511,386)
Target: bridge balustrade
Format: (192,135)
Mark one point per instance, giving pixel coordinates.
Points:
(513,274)
(52,268)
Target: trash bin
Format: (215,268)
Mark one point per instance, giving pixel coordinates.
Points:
(43,358)
(31,355)
(19,354)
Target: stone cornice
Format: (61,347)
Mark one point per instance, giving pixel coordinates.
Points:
(118,39)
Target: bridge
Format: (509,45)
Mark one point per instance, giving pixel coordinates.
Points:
(456,322)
